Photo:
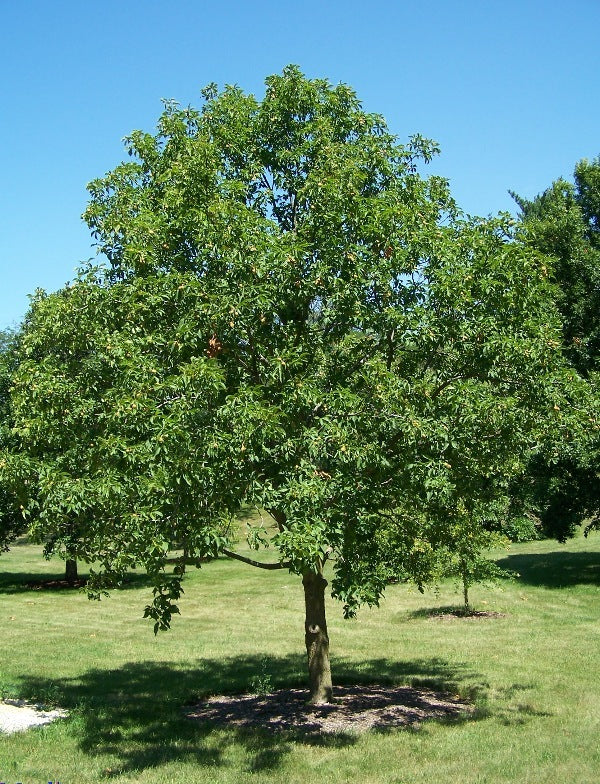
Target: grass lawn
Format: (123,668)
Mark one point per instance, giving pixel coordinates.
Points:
(534,674)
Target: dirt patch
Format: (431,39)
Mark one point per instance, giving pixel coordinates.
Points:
(356,709)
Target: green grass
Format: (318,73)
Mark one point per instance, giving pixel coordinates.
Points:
(533,673)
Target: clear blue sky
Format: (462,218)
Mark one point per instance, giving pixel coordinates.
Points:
(509,89)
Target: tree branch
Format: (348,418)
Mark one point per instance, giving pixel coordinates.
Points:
(440,387)
(279,517)
(251,562)
(390,349)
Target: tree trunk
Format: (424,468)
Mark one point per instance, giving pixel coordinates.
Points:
(317,641)
(71,570)
(464,574)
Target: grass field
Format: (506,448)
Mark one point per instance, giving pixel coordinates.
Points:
(533,674)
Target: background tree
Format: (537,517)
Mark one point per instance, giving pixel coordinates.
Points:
(12,520)
(12,523)
(291,317)
(564,223)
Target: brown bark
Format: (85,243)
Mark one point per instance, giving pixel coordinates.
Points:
(252,562)
(317,641)
(465,582)
(71,570)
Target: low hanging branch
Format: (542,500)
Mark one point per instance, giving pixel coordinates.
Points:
(258,564)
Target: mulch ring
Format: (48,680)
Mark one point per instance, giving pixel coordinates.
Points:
(465,615)
(356,709)
(56,585)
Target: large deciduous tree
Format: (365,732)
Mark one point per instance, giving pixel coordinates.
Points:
(564,223)
(292,317)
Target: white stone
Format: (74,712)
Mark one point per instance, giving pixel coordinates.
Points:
(18,715)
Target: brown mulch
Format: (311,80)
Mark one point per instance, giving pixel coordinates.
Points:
(55,585)
(471,615)
(356,709)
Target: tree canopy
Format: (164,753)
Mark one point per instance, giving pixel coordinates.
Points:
(564,223)
(293,317)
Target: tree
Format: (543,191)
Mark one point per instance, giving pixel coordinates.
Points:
(564,223)
(292,317)
(470,534)
(11,519)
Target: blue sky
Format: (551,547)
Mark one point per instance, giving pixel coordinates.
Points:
(509,90)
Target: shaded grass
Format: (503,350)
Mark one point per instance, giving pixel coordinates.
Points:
(533,675)
(555,568)
(135,714)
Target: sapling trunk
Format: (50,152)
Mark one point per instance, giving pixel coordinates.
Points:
(317,641)
(465,582)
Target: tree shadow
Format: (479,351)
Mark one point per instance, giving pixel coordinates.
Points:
(21,541)
(558,569)
(517,713)
(19,582)
(136,713)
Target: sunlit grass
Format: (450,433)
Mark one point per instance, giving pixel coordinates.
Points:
(533,673)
